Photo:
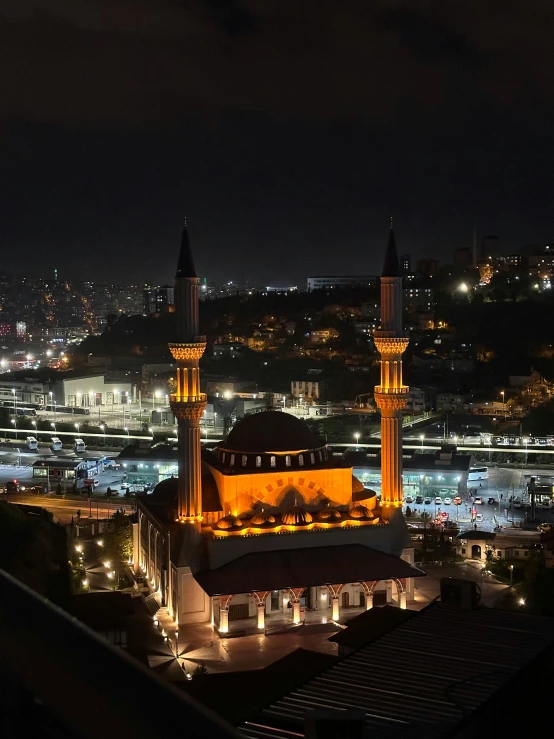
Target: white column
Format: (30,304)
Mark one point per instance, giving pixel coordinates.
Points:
(368,601)
(261,616)
(223,620)
(335,608)
(296,611)
(402,599)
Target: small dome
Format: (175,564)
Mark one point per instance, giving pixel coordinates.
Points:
(261,519)
(357,486)
(360,511)
(229,522)
(296,516)
(329,514)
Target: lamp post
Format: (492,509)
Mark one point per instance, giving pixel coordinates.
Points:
(14,402)
(53,426)
(422,439)
(511,575)
(127,430)
(215,423)
(34,423)
(14,422)
(50,395)
(77,427)
(503,404)
(103,430)
(357,437)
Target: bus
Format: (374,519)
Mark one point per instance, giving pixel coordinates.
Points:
(478,473)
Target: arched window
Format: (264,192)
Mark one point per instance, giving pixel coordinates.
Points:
(312,458)
(258,461)
(287,460)
(301,460)
(223,457)
(272,462)
(320,457)
(232,460)
(244,460)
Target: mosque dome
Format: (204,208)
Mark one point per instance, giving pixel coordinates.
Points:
(329,514)
(360,511)
(262,519)
(296,516)
(270,431)
(229,522)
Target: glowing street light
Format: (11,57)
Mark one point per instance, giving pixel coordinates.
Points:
(103,430)
(357,437)
(422,439)
(77,427)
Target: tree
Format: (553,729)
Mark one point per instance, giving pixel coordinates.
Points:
(118,542)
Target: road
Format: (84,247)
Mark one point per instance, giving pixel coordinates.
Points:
(64,510)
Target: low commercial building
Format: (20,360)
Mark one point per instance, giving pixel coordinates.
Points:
(48,388)
(441,474)
(338,281)
(69,473)
(307,390)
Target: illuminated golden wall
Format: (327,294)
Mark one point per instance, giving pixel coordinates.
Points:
(240,493)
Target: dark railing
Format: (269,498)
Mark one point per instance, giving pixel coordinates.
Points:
(50,660)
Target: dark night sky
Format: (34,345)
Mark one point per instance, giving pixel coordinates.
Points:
(286,130)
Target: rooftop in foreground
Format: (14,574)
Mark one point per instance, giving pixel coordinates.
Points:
(437,673)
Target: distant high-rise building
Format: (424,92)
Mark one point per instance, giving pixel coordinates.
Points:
(159,299)
(427,267)
(406,264)
(463,257)
(490,247)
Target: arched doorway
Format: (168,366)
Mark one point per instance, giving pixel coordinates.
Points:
(476,551)
(345,599)
(362,599)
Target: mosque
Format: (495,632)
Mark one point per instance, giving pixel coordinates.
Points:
(271,522)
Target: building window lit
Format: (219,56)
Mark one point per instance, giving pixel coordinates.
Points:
(244,460)
(258,461)
(287,460)
(301,460)
(272,461)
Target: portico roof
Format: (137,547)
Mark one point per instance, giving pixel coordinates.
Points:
(304,567)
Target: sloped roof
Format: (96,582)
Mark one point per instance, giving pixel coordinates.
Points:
(303,567)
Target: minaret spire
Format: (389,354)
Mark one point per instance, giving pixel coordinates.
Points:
(391,393)
(188,403)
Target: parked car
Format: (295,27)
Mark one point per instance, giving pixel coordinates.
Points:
(448,501)
(457,500)
(491,501)
(478,500)
(409,499)
(419,500)
(479,517)
(427,501)
(438,500)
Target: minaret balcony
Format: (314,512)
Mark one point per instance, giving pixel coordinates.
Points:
(191,350)
(390,345)
(402,390)
(202,398)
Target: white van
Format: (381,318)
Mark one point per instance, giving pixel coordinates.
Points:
(80,445)
(31,443)
(56,444)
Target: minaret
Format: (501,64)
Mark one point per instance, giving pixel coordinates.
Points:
(188,403)
(391,394)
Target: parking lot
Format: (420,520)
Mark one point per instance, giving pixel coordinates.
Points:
(501,500)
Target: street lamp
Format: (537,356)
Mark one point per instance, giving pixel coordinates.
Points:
(511,575)
(14,422)
(103,430)
(127,430)
(215,422)
(357,437)
(422,438)
(503,403)
(53,426)
(77,427)
(14,402)
(50,395)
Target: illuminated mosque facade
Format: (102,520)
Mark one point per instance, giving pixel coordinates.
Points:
(270,521)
